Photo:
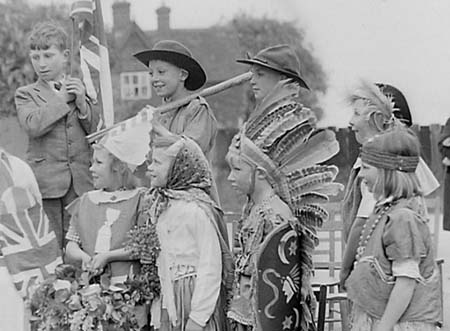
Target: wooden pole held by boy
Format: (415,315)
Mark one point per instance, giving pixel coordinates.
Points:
(170,106)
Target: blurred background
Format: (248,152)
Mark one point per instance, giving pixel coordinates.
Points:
(403,42)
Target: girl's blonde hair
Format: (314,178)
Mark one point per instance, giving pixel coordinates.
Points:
(127,179)
(395,183)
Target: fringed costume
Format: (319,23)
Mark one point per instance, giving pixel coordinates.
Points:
(195,265)
(281,139)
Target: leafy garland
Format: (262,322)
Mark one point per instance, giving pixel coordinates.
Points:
(143,244)
(76,300)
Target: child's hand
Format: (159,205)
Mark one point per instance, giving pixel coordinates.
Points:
(86,262)
(192,326)
(75,87)
(99,261)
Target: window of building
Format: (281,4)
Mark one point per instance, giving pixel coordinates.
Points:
(135,85)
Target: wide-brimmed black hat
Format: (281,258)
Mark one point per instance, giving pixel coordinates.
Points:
(280,58)
(179,55)
(401,108)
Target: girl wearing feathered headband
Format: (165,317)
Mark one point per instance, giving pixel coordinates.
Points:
(395,281)
(376,109)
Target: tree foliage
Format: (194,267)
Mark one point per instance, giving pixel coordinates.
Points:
(255,34)
(17,18)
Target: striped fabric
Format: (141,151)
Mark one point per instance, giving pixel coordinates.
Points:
(94,56)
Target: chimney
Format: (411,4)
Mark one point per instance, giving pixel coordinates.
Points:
(121,15)
(163,13)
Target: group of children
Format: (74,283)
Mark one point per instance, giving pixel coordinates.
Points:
(389,269)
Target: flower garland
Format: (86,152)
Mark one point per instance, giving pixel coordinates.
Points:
(143,244)
(69,301)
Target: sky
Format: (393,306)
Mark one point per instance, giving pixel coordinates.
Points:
(405,43)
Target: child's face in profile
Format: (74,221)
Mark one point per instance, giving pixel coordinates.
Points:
(159,167)
(102,172)
(369,174)
(360,122)
(167,80)
(263,81)
(49,64)
(240,175)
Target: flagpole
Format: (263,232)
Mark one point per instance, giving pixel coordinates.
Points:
(72,46)
(170,106)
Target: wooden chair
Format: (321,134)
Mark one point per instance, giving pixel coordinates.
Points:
(327,262)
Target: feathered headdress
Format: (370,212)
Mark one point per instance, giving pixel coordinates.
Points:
(284,142)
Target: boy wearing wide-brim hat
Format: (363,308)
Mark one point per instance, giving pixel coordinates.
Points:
(276,79)
(276,82)
(174,74)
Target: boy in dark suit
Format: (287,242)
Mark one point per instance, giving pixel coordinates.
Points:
(57,115)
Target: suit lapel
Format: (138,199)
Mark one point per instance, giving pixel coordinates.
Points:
(43,91)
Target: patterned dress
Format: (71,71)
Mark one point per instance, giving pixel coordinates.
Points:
(97,213)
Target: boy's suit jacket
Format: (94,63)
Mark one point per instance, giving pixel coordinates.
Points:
(58,151)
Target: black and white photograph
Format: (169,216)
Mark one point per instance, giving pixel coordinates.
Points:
(238,165)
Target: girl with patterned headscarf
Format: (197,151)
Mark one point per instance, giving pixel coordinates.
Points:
(195,264)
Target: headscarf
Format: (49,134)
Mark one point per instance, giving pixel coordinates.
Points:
(190,179)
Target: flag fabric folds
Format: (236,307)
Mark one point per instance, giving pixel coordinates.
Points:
(94,57)
(28,246)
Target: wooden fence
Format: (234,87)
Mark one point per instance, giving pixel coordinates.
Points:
(349,150)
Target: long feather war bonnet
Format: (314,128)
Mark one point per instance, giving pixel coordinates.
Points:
(285,143)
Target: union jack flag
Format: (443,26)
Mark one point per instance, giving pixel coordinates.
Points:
(94,56)
(29,246)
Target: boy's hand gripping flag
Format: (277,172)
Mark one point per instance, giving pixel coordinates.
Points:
(94,57)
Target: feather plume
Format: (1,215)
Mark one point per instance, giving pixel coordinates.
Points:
(311,216)
(309,198)
(320,147)
(329,189)
(315,169)
(278,129)
(303,184)
(376,100)
(256,125)
(287,144)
